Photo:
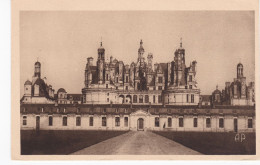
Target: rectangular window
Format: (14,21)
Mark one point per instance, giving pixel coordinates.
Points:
(104,121)
(126,78)
(64,121)
(195,122)
(91,121)
(221,123)
(181,122)
(159,87)
(208,123)
(159,98)
(157,122)
(190,86)
(146,99)
(154,88)
(250,123)
(169,122)
(126,121)
(190,78)
(107,99)
(159,79)
(78,121)
(126,88)
(117,121)
(187,98)
(24,120)
(106,85)
(192,98)
(153,98)
(50,121)
(117,79)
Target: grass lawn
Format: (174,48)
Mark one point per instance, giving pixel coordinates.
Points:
(213,143)
(60,142)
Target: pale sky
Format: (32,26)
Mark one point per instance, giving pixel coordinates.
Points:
(62,41)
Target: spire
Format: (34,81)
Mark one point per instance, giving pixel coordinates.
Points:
(181,42)
(141,42)
(101,42)
(217,87)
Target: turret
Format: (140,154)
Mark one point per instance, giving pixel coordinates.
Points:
(37,69)
(27,88)
(90,61)
(239,70)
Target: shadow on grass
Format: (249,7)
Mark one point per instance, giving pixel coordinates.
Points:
(214,143)
(58,142)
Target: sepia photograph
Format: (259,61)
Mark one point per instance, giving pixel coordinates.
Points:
(136,82)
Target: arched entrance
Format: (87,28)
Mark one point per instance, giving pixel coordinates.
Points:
(140,124)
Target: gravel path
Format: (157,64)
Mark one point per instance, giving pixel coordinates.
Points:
(137,143)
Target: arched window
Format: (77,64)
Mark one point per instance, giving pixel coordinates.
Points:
(169,122)
(156,122)
(135,99)
(50,120)
(141,99)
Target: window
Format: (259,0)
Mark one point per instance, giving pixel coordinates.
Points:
(159,87)
(24,120)
(250,123)
(190,78)
(107,94)
(169,122)
(91,121)
(192,98)
(146,98)
(126,121)
(153,98)
(135,99)
(126,88)
(208,123)
(50,121)
(190,86)
(78,121)
(64,121)
(159,79)
(117,79)
(117,119)
(159,98)
(116,88)
(181,122)
(141,99)
(106,85)
(154,88)
(157,122)
(126,79)
(107,77)
(195,122)
(187,98)
(104,121)
(107,99)
(221,123)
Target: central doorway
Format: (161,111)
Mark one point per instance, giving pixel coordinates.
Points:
(140,124)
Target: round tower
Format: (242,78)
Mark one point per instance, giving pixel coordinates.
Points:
(27,88)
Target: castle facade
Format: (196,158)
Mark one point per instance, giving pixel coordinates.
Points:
(141,82)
